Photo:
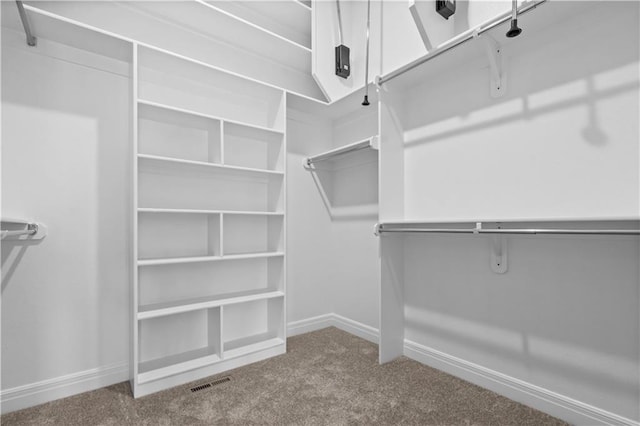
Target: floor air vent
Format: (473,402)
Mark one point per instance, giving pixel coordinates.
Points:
(214,383)
(199,388)
(221,381)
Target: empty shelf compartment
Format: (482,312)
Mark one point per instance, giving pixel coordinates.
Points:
(252,234)
(172,283)
(175,344)
(253,148)
(252,326)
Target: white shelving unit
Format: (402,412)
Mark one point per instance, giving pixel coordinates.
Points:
(209,221)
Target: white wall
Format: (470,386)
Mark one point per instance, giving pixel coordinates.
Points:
(66,163)
(563,143)
(332,252)
(309,252)
(564,317)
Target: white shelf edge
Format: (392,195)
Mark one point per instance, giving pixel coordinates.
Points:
(196,259)
(177,308)
(177,368)
(303,5)
(252,347)
(146,102)
(371,143)
(206,164)
(196,211)
(258,27)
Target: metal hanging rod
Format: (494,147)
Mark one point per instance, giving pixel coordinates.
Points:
(357,146)
(457,41)
(31,39)
(412,228)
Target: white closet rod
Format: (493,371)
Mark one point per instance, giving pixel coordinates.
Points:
(411,228)
(457,41)
(31,39)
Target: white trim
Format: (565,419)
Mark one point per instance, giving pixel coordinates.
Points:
(32,394)
(563,407)
(310,324)
(333,320)
(359,329)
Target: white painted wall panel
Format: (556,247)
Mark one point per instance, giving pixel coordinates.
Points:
(65,162)
(563,142)
(564,317)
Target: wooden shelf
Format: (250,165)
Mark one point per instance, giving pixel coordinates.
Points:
(175,364)
(247,345)
(196,211)
(212,166)
(171,308)
(176,260)
(149,103)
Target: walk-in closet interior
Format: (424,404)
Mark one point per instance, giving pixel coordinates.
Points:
(320,212)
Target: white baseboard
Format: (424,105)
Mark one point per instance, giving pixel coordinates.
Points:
(310,324)
(557,405)
(60,387)
(560,406)
(359,329)
(333,320)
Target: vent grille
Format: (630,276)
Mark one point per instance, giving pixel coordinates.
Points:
(221,381)
(209,385)
(199,388)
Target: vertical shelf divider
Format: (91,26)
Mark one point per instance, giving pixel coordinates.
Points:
(134,355)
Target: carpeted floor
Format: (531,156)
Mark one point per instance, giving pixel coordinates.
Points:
(327,377)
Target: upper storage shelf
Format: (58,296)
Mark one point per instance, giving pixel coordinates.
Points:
(49,28)
(194,29)
(370,143)
(289,19)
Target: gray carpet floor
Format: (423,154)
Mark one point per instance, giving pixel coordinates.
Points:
(327,377)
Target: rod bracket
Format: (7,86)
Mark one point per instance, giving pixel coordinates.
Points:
(498,80)
(376,229)
(498,254)
(307,163)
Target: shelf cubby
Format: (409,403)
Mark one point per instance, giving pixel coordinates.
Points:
(168,133)
(250,147)
(252,326)
(252,234)
(180,282)
(169,235)
(170,345)
(187,185)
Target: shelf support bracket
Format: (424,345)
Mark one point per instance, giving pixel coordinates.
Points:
(31,39)
(498,83)
(498,254)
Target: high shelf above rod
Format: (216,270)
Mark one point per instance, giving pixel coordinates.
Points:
(370,143)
